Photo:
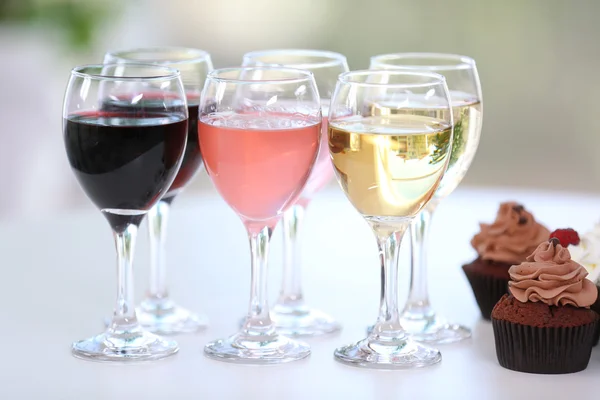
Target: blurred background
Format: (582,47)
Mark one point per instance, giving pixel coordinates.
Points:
(538,61)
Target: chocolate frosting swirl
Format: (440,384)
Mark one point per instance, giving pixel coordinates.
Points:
(550,276)
(513,236)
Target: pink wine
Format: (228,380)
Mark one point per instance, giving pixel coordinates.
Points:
(259,165)
(322,172)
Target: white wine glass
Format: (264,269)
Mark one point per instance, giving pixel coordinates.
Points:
(419,318)
(290,314)
(389,165)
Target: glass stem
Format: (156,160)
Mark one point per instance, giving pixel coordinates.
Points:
(417,306)
(258,322)
(291,288)
(124,318)
(389,239)
(157,225)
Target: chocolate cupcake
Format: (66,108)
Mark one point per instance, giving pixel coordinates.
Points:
(513,236)
(544,325)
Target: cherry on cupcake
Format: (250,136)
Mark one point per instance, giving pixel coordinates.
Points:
(566,236)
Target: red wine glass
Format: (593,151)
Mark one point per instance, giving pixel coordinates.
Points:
(158,312)
(125,161)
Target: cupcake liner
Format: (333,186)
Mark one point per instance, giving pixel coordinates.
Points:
(596,305)
(488,290)
(536,350)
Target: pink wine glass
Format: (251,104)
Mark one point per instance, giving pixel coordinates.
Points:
(158,312)
(290,313)
(259,131)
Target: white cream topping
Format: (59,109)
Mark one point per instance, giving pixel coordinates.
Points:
(587,253)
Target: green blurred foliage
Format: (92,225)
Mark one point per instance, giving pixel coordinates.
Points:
(77,20)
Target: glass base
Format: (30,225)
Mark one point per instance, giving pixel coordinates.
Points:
(434,330)
(164,317)
(302,321)
(133,346)
(245,349)
(400,354)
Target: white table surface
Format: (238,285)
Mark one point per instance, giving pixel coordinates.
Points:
(59,282)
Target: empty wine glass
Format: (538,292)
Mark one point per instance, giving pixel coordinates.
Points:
(290,314)
(125,160)
(259,131)
(158,312)
(389,165)
(418,318)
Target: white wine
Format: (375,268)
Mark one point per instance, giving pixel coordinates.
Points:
(390,166)
(468,118)
(467,114)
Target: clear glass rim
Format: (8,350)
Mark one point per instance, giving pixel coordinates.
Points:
(162,72)
(195,55)
(458,61)
(301,75)
(435,79)
(332,59)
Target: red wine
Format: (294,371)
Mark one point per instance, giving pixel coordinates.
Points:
(192,160)
(125,161)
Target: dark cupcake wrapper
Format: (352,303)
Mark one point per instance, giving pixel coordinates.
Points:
(536,350)
(488,290)
(596,307)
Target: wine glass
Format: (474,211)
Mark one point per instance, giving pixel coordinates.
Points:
(418,318)
(125,160)
(389,165)
(259,131)
(290,314)
(158,312)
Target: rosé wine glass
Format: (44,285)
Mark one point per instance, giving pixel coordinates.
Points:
(290,314)
(158,312)
(259,131)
